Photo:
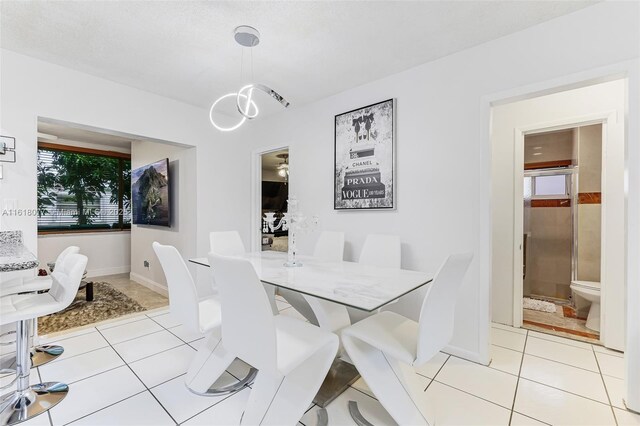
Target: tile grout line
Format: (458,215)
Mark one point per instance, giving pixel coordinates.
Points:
(214,404)
(471,394)
(564,363)
(515,393)
(504,347)
(63,336)
(604,384)
(105,407)
(57,361)
(532,418)
(565,391)
(140,380)
(173,378)
(186,343)
(433,379)
(134,338)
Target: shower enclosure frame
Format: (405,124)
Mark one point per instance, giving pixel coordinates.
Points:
(572,173)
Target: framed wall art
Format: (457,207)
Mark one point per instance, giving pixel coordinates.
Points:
(364,154)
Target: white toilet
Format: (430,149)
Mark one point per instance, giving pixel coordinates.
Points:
(590,291)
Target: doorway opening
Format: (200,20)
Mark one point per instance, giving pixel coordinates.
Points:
(91,189)
(274,190)
(561,241)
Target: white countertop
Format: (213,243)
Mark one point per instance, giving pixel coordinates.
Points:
(16,257)
(347,283)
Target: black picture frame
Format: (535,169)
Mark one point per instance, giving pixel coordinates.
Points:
(358,185)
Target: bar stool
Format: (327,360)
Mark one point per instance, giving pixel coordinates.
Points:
(40,354)
(34,284)
(29,401)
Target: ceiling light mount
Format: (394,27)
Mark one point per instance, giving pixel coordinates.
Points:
(246,36)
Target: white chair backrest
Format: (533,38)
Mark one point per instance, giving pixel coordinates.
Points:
(183,295)
(248,328)
(226,243)
(66,252)
(439,305)
(330,246)
(381,250)
(66,279)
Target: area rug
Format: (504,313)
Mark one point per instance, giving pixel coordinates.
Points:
(538,305)
(107,303)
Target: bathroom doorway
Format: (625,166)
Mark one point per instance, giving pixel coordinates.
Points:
(561,253)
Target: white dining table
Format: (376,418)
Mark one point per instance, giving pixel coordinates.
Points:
(329,288)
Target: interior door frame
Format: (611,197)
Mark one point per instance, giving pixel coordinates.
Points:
(602,118)
(256,192)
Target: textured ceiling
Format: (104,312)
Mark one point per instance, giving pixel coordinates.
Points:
(309,50)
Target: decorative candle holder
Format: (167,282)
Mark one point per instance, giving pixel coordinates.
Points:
(294,222)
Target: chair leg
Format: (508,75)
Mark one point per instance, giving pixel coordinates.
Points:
(271,294)
(28,401)
(300,304)
(394,383)
(209,364)
(282,400)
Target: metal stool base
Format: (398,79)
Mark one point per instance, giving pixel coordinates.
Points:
(40,355)
(37,399)
(224,390)
(43,354)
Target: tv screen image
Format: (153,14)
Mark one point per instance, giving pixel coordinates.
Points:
(150,194)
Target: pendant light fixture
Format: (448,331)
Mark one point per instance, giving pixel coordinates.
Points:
(249,37)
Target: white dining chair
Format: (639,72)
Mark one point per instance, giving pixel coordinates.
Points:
(200,315)
(292,356)
(330,248)
(379,250)
(229,243)
(386,347)
(35,283)
(28,400)
(226,243)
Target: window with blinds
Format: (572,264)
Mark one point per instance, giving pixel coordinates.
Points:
(83,190)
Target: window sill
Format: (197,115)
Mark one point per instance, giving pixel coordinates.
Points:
(82,232)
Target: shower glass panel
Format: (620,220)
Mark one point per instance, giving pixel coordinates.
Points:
(548,234)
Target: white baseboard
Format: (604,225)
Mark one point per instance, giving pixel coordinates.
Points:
(151,285)
(108,271)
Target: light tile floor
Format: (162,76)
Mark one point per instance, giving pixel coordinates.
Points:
(130,372)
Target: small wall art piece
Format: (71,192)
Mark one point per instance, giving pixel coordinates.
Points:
(150,194)
(364,158)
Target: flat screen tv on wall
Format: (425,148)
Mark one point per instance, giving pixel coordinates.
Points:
(150,194)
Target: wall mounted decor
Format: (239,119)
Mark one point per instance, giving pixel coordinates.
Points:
(7,149)
(150,194)
(364,158)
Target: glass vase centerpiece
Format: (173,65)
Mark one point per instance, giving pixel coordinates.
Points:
(295,223)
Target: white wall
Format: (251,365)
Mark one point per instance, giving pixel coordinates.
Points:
(108,252)
(182,233)
(32,88)
(439,124)
(440,128)
(570,106)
